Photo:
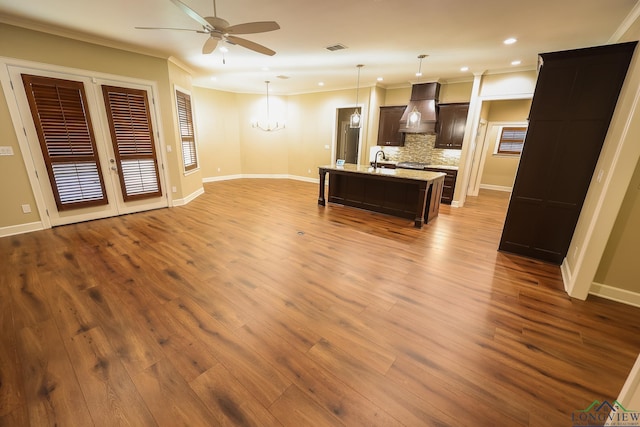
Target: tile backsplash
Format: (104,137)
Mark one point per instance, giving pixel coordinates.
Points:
(420,148)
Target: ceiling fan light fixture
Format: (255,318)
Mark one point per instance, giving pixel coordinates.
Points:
(355,121)
(269,125)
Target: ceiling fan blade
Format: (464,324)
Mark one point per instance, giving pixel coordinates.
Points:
(166,28)
(217,23)
(253,27)
(210,45)
(251,45)
(192,13)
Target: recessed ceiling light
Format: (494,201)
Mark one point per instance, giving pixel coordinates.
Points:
(510,40)
(265,68)
(380,79)
(464,68)
(517,62)
(214,78)
(320,83)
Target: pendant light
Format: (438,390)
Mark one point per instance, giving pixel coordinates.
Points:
(269,126)
(355,121)
(413,120)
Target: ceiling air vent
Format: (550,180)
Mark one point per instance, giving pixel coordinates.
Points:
(335,47)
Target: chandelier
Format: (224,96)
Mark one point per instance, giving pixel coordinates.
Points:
(269,125)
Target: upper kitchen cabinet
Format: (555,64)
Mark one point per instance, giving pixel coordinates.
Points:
(389,127)
(572,106)
(452,120)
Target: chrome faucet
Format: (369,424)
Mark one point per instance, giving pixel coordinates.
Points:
(375,160)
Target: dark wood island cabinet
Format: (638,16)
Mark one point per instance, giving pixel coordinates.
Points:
(410,194)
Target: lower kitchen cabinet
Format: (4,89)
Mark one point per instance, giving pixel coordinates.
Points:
(449,183)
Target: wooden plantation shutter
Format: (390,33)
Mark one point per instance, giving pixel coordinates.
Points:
(63,125)
(133,143)
(511,140)
(187,135)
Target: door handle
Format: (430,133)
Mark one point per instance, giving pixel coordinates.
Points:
(114,168)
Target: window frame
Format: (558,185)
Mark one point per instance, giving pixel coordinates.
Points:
(186,119)
(499,139)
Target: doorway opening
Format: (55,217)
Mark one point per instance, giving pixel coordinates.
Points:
(489,168)
(347,138)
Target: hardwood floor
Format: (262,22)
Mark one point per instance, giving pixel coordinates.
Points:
(254,306)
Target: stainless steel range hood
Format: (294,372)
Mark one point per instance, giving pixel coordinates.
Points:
(424,97)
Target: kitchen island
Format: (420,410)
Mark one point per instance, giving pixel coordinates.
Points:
(404,193)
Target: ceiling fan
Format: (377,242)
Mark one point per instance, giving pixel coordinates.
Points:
(218,29)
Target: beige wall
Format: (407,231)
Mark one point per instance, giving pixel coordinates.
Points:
(12,170)
(512,84)
(619,266)
(500,170)
(217,132)
(314,126)
(455,92)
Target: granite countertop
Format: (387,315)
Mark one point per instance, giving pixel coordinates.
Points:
(416,175)
(447,167)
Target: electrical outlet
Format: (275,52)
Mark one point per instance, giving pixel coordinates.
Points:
(218,169)
(174,189)
(169,149)
(308,170)
(26,208)
(326,147)
(6,151)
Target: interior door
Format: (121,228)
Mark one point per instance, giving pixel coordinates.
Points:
(347,147)
(351,144)
(82,175)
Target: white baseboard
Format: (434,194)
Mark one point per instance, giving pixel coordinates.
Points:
(565,270)
(191,197)
(12,230)
(265,176)
(221,178)
(261,176)
(615,294)
(496,188)
(305,179)
(629,396)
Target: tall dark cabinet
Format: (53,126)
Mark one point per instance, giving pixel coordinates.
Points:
(572,105)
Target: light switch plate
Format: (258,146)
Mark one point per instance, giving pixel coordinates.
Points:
(6,151)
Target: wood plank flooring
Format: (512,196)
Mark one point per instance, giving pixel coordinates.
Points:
(253,306)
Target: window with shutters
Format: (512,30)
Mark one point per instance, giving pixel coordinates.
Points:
(133,142)
(62,122)
(511,140)
(187,134)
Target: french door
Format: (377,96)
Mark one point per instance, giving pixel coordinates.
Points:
(92,143)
